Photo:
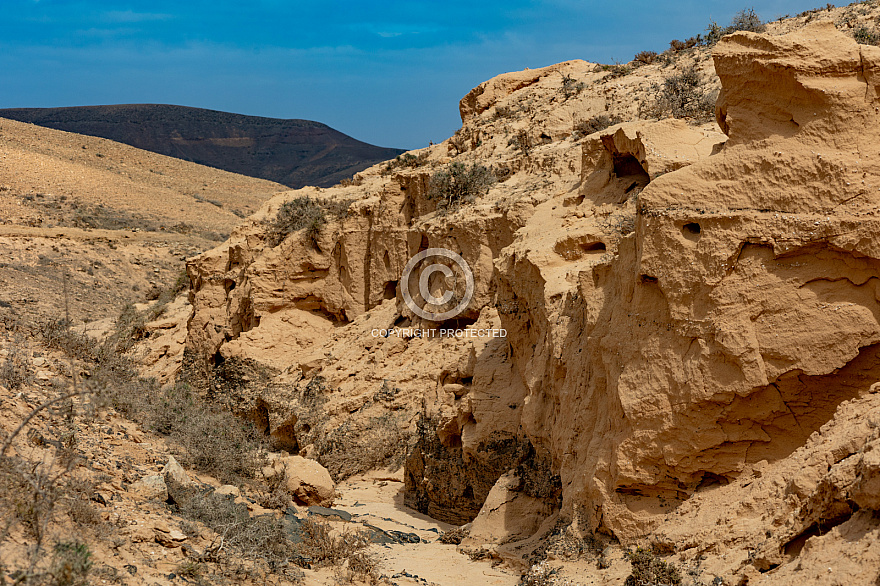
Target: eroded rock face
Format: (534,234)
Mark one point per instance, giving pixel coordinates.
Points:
(739,312)
(679,311)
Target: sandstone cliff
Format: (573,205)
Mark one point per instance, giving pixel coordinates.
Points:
(691,316)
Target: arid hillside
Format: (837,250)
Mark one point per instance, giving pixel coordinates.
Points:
(295,153)
(646,352)
(118,221)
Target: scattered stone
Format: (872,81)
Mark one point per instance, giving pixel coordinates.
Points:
(325,512)
(171,539)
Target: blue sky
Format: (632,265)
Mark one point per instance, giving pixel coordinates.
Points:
(390,73)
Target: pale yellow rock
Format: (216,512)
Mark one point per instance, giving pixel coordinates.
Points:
(508,514)
(150,488)
(307,481)
(228,490)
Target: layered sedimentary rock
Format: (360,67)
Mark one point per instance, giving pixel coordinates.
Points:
(682,308)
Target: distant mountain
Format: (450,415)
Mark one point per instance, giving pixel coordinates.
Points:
(290,152)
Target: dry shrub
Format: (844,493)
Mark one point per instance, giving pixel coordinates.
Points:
(322,546)
(645,57)
(595,124)
(744,20)
(214,441)
(406,161)
(257,538)
(16,370)
(649,570)
(684,95)
(522,142)
(359,445)
(459,184)
(454,536)
(300,214)
(570,86)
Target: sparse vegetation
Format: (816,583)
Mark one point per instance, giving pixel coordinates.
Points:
(16,370)
(70,564)
(307,215)
(570,86)
(454,536)
(356,180)
(458,185)
(649,570)
(521,141)
(684,95)
(645,57)
(595,124)
(301,214)
(744,20)
(258,538)
(213,440)
(359,445)
(322,546)
(866,36)
(406,161)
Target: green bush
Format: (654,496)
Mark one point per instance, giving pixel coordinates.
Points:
(302,213)
(71,563)
(865,36)
(459,185)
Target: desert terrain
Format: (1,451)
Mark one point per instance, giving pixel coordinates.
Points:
(209,378)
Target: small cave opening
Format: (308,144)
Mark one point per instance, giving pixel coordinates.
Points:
(647,279)
(795,545)
(284,438)
(710,480)
(575,248)
(691,231)
(228,285)
(459,323)
(390,290)
(626,165)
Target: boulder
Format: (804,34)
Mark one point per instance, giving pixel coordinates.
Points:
(228,490)
(307,481)
(150,488)
(509,514)
(173,472)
